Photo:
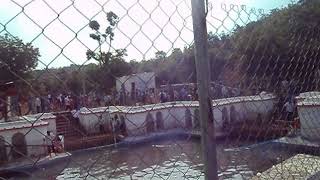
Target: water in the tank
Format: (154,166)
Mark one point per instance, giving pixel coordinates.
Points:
(175,159)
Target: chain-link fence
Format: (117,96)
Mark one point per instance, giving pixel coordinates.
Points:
(159,89)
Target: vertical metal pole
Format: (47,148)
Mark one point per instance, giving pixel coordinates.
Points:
(208,142)
(83,85)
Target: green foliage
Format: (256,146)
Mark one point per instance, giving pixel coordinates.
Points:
(280,44)
(104,57)
(111,61)
(17,58)
(161,55)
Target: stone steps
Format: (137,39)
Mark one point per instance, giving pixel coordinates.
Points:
(75,143)
(68,126)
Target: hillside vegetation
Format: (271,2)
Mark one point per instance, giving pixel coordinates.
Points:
(281,45)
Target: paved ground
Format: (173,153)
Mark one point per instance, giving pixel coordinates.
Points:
(300,166)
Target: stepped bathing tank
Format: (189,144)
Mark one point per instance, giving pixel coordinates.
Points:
(173,156)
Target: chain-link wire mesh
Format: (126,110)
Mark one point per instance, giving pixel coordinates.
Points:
(108,90)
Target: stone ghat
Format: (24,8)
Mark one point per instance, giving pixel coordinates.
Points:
(27,132)
(150,107)
(300,166)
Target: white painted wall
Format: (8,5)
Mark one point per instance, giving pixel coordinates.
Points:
(33,135)
(135,123)
(142,81)
(46,117)
(93,120)
(309,113)
(174,113)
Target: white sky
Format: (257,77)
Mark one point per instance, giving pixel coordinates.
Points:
(145,26)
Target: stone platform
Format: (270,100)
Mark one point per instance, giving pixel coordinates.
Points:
(300,166)
(305,165)
(299,144)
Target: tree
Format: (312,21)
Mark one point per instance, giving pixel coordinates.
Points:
(17,58)
(111,61)
(281,45)
(160,55)
(104,58)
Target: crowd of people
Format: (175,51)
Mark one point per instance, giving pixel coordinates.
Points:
(22,105)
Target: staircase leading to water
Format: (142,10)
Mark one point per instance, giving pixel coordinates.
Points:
(75,136)
(68,126)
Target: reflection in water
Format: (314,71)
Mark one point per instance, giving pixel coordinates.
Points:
(175,159)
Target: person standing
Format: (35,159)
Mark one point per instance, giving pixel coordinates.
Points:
(49,98)
(176,95)
(49,142)
(19,107)
(58,144)
(218,91)
(289,106)
(106,100)
(162,97)
(152,97)
(236,92)
(38,104)
(183,94)
(67,102)
(224,92)
(30,105)
(195,93)
(171,92)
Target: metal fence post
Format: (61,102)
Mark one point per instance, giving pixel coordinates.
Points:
(208,142)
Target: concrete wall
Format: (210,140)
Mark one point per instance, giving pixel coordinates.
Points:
(46,117)
(142,81)
(174,114)
(164,116)
(309,113)
(91,119)
(33,136)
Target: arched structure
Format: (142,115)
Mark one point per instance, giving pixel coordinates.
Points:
(233,114)
(3,151)
(159,121)
(123,126)
(19,146)
(188,119)
(225,118)
(196,119)
(149,123)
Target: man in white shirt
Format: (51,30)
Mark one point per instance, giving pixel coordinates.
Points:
(49,98)
(67,102)
(38,104)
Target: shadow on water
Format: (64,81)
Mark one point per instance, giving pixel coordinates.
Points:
(13,174)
